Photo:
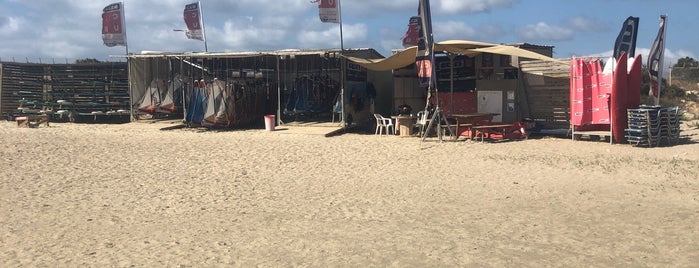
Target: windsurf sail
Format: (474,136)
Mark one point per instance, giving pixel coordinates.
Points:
(216,106)
(168,101)
(151,98)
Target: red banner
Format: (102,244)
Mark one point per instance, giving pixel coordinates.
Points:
(192,17)
(113,32)
(425,56)
(412,35)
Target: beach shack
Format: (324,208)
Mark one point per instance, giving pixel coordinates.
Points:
(238,89)
(472,77)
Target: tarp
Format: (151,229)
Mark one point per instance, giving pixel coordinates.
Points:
(469,48)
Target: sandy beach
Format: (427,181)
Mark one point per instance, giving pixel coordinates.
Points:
(98,195)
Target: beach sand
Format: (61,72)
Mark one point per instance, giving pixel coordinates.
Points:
(135,195)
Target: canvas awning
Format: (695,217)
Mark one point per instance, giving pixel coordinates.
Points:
(469,48)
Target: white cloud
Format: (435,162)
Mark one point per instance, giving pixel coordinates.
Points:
(543,32)
(238,36)
(9,26)
(471,6)
(585,24)
(329,37)
(453,30)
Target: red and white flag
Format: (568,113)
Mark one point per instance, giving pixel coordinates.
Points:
(193,19)
(113,31)
(424,60)
(329,10)
(655,62)
(412,35)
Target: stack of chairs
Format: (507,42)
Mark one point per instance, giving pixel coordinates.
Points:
(651,125)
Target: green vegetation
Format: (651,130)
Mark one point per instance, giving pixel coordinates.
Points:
(86,61)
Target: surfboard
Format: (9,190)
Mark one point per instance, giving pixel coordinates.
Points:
(619,98)
(635,77)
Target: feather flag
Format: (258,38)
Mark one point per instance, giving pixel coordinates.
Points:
(193,19)
(424,61)
(413,33)
(329,10)
(626,40)
(113,31)
(655,61)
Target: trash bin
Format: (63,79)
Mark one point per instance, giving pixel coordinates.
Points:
(269,122)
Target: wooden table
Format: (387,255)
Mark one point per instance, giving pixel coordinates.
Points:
(485,130)
(470,120)
(32,120)
(404,124)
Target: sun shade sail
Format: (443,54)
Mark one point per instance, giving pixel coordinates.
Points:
(469,48)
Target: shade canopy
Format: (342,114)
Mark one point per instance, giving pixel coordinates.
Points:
(469,48)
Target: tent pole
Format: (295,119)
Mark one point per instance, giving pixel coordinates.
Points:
(451,71)
(279,90)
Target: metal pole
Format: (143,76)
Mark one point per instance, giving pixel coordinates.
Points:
(451,71)
(203,29)
(342,69)
(279,90)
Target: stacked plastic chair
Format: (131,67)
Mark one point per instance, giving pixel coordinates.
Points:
(652,125)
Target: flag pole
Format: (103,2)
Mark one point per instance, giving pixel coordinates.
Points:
(203,28)
(123,17)
(128,63)
(342,68)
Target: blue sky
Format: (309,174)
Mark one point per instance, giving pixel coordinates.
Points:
(65,30)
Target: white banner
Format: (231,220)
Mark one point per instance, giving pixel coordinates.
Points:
(655,62)
(329,11)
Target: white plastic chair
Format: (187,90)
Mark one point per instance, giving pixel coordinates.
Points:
(382,124)
(421,123)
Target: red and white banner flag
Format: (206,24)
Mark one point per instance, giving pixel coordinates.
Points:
(113,31)
(193,19)
(424,60)
(655,62)
(329,11)
(412,35)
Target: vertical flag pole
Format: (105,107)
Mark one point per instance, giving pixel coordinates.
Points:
(342,68)
(123,17)
(128,63)
(203,28)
